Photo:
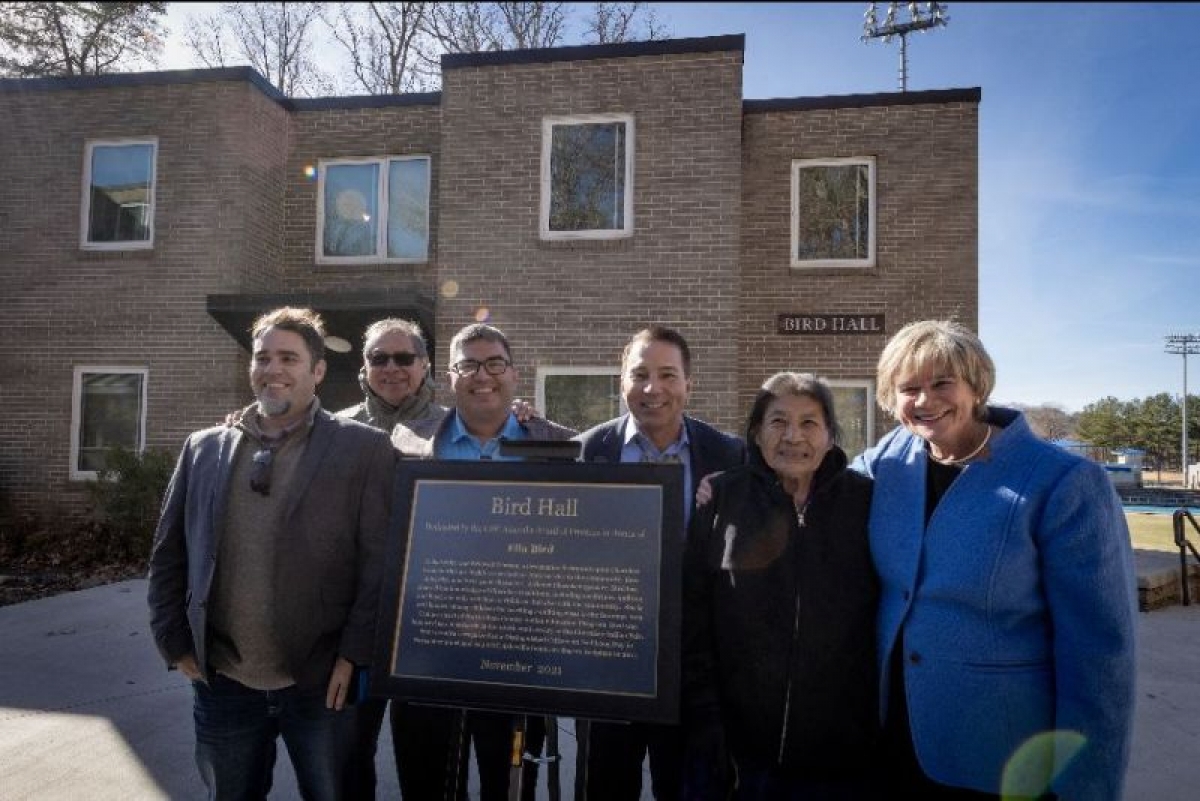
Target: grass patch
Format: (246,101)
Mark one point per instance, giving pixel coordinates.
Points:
(1153,532)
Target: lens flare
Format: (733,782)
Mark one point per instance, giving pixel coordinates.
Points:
(482,314)
(1036,763)
(450,289)
(310,172)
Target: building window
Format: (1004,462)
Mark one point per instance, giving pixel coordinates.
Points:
(855,407)
(373,210)
(587,177)
(118,195)
(580,397)
(108,407)
(833,212)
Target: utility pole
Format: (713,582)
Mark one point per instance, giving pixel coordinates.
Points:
(1184,344)
(934,15)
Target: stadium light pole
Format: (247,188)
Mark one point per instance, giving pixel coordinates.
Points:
(1184,344)
(934,15)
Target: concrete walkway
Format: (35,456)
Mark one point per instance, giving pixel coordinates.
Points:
(88,712)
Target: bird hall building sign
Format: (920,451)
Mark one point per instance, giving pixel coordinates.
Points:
(830,324)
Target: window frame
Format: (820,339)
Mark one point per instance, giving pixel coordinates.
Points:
(544,371)
(868,386)
(548,125)
(872,213)
(381,199)
(85,206)
(77,410)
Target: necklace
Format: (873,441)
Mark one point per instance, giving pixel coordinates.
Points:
(802,508)
(987,436)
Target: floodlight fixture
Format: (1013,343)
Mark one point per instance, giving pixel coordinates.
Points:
(933,16)
(1184,344)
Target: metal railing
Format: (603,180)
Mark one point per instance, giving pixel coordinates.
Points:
(1185,545)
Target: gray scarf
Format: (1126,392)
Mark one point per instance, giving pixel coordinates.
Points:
(384,416)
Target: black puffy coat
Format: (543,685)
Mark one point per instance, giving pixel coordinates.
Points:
(779,622)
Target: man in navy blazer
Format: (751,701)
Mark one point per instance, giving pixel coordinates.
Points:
(655,384)
(264,575)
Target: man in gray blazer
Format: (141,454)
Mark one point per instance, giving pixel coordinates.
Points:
(264,575)
(656,383)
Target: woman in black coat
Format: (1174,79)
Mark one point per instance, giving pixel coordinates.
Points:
(779,676)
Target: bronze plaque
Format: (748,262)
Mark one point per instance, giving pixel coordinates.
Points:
(547,589)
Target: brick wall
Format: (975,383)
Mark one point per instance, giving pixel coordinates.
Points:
(576,303)
(217,228)
(344,133)
(236,214)
(927,233)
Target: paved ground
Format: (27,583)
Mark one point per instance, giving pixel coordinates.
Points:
(88,712)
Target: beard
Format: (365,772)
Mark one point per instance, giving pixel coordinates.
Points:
(273,407)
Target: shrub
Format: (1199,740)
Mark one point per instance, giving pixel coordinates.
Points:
(127,496)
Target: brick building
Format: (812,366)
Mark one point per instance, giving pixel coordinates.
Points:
(568,196)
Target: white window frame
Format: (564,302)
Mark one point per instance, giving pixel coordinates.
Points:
(543,371)
(85,206)
(548,124)
(77,409)
(872,227)
(380,256)
(868,385)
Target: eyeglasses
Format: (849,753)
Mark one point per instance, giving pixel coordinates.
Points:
(496,365)
(380,359)
(260,471)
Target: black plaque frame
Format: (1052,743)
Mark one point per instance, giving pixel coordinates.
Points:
(651,694)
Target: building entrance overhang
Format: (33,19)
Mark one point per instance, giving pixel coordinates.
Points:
(346,315)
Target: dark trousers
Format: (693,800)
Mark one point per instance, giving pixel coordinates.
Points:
(608,765)
(427,742)
(236,732)
(756,784)
(492,735)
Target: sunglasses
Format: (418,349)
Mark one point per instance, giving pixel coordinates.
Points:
(260,471)
(380,359)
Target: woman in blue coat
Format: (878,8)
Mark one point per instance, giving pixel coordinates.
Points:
(1007,615)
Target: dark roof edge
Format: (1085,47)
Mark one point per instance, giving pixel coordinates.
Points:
(972,95)
(248,74)
(366,101)
(545,55)
(145,79)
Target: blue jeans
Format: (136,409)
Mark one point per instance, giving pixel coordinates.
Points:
(236,731)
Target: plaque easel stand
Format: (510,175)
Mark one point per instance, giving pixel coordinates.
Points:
(536,451)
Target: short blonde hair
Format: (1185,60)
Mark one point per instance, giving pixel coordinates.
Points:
(941,344)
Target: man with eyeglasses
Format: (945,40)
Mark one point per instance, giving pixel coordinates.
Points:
(484,381)
(265,570)
(656,383)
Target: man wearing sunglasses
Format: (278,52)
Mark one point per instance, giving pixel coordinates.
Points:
(484,381)
(265,570)
(394,376)
(396,388)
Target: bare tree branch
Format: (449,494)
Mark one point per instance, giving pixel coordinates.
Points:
(78,38)
(386,44)
(623,22)
(277,39)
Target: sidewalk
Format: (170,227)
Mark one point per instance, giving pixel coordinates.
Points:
(87,710)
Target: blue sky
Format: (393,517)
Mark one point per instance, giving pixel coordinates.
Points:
(1089,168)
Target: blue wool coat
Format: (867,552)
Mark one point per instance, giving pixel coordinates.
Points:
(1018,607)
